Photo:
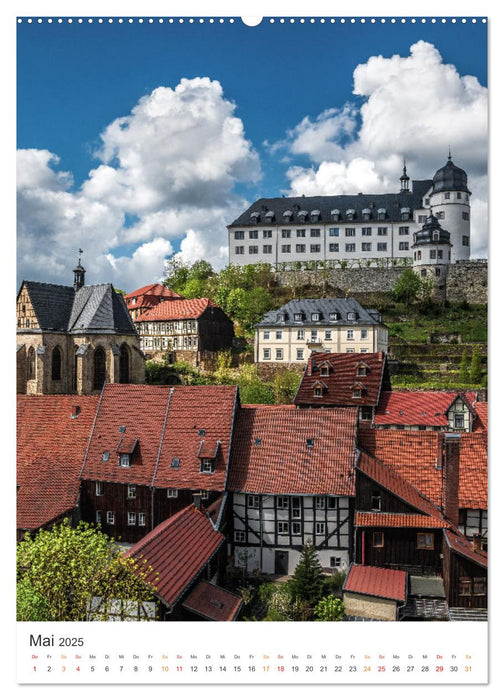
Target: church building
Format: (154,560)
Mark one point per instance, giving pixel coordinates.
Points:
(73,340)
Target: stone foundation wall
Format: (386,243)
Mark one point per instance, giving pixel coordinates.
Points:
(466,280)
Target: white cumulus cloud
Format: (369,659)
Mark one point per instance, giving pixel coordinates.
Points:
(166,173)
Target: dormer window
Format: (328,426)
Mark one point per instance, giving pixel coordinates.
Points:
(315,316)
(315,215)
(357,393)
(435,236)
(298,317)
(125,452)
(254,217)
(381,214)
(318,389)
(287,216)
(207,465)
(405,213)
(350,214)
(335,214)
(366,214)
(351,316)
(362,370)
(124,460)
(269,216)
(334,316)
(324,371)
(280,318)
(175,463)
(302,215)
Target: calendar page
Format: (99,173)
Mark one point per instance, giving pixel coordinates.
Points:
(251,347)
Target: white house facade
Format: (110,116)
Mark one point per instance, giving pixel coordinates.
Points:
(347,229)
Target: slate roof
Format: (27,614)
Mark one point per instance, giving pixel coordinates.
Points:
(271,454)
(213,603)
(177,550)
(396,484)
(50,450)
(414,455)
(418,407)
(341,378)
(167,422)
(464,546)
(392,203)
(91,309)
(375,581)
(177,309)
(324,307)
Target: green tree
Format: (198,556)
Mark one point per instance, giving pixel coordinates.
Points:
(329,609)
(475,373)
(285,385)
(407,288)
(252,389)
(307,582)
(60,570)
(464,367)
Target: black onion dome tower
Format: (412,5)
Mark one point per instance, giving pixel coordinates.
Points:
(450,178)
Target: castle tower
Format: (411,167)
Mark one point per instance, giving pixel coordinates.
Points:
(405,181)
(432,254)
(450,204)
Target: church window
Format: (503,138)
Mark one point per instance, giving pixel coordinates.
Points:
(31,363)
(99,368)
(124,363)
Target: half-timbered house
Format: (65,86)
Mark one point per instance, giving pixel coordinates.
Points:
(426,410)
(145,298)
(292,481)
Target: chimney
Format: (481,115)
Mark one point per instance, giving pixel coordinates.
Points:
(451,477)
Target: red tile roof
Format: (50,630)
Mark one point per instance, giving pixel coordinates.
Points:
(481,408)
(177,550)
(375,581)
(152,290)
(141,410)
(341,379)
(399,520)
(213,602)
(396,484)
(167,422)
(177,309)
(194,409)
(417,407)
(414,455)
(460,544)
(50,450)
(271,454)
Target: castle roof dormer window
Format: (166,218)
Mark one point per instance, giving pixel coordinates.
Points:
(255,217)
(334,316)
(335,214)
(366,214)
(352,316)
(350,214)
(287,216)
(280,318)
(302,215)
(269,216)
(315,316)
(298,317)
(315,215)
(405,213)
(381,213)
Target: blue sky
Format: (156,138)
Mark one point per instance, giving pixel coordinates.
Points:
(137,141)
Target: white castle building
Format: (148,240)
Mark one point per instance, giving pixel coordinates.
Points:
(375,228)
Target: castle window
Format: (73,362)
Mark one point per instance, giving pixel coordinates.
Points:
(465,240)
(286,233)
(239,250)
(315,248)
(254,249)
(349,232)
(334,232)
(267,234)
(286,249)
(403,230)
(333,247)
(56,364)
(99,368)
(301,233)
(253,235)
(300,248)
(403,245)
(315,233)
(465,215)
(267,249)
(31,363)
(239,235)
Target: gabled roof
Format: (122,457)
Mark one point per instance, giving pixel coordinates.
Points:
(178,309)
(324,307)
(127,412)
(155,290)
(177,550)
(94,308)
(464,546)
(481,410)
(213,603)
(418,407)
(396,484)
(416,455)
(400,520)
(271,453)
(50,449)
(196,414)
(392,203)
(375,581)
(341,377)
(167,423)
